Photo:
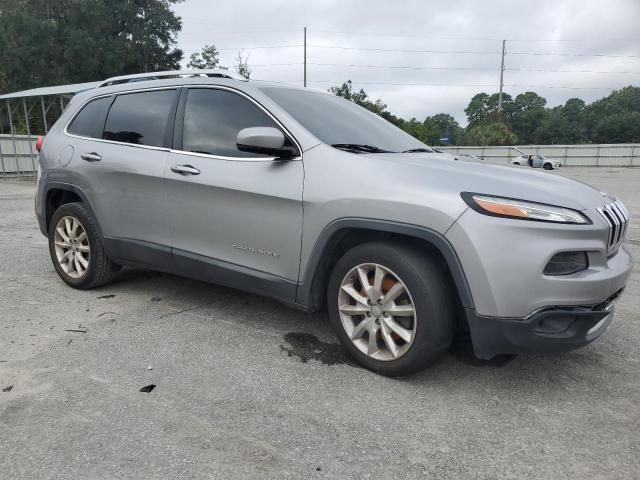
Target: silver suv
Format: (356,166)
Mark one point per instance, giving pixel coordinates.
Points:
(312,200)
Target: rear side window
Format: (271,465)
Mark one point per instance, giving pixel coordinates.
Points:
(90,121)
(140,118)
(213,118)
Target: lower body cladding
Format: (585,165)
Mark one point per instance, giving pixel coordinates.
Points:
(554,329)
(516,306)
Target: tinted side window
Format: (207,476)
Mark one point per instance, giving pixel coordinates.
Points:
(140,118)
(90,121)
(213,118)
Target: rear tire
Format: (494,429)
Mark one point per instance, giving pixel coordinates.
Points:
(76,248)
(424,286)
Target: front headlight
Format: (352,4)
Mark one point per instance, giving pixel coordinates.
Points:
(522,210)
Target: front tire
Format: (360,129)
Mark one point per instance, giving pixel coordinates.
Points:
(391,307)
(76,248)
(547,166)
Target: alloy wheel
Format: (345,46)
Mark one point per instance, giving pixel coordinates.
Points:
(377,311)
(72,247)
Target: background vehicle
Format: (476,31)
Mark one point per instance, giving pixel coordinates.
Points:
(310,199)
(536,161)
(468,156)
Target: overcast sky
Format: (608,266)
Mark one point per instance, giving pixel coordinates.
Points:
(596,46)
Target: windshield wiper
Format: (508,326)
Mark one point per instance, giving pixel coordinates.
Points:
(418,150)
(359,148)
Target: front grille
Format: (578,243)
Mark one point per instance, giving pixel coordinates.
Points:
(617,217)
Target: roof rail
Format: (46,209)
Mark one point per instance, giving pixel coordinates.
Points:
(140,77)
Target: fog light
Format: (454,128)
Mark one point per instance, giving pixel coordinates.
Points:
(566,263)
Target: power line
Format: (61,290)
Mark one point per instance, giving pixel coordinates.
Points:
(402,67)
(411,67)
(340,47)
(401,35)
(397,35)
(245,32)
(408,84)
(259,47)
(231,30)
(473,52)
(543,54)
(488,39)
(570,87)
(570,71)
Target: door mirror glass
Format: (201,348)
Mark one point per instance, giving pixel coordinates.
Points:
(264,140)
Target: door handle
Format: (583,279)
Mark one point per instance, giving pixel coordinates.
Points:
(91,157)
(185,170)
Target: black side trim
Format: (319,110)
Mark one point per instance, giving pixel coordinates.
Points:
(235,276)
(55,185)
(304,291)
(139,253)
(170,260)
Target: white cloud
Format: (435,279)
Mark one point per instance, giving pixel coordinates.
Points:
(570,27)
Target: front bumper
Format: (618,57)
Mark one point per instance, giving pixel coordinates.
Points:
(504,262)
(553,329)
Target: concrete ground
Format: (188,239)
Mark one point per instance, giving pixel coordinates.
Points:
(247,388)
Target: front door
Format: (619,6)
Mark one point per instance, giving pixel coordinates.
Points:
(235,217)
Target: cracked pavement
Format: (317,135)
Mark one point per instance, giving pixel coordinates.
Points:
(248,388)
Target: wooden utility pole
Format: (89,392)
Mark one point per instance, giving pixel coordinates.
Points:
(501,77)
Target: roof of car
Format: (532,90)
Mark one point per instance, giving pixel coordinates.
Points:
(153,79)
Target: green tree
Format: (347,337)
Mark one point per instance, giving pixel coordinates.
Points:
(552,129)
(484,107)
(492,133)
(447,125)
(618,128)
(573,112)
(528,113)
(426,131)
(206,58)
(619,101)
(477,111)
(46,42)
(360,97)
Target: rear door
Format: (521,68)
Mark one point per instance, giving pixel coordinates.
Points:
(237,217)
(123,171)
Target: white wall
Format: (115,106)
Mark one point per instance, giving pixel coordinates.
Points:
(21,163)
(615,155)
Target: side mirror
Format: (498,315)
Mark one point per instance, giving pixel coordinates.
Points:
(264,140)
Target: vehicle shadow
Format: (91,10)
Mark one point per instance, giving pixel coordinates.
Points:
(308,337)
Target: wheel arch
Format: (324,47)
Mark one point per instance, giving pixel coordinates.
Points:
(57,194)
(343,234)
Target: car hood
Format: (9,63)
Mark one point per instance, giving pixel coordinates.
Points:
(443,171)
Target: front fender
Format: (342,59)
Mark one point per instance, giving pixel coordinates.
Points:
(437,240)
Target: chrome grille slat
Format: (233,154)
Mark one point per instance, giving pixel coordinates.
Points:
(623,221)
(620,219)
(617,218)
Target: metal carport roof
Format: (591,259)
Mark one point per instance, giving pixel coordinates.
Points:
(57,90)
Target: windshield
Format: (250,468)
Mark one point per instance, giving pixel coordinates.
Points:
(337,121)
